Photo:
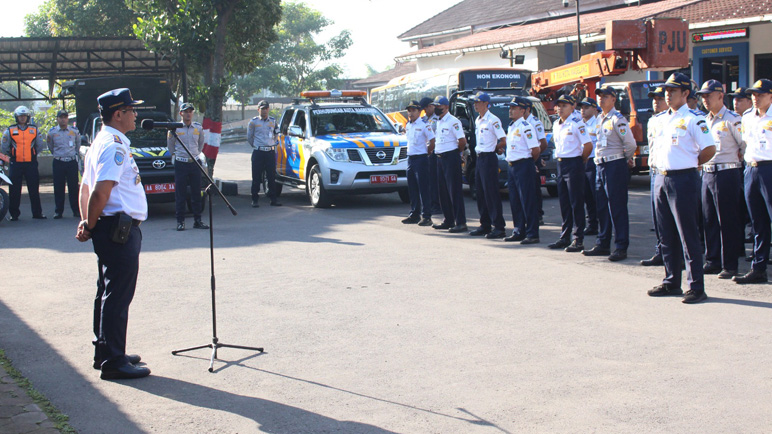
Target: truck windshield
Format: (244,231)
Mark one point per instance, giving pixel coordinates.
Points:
(640,94)
(337,120)
(501,110)
(141,138)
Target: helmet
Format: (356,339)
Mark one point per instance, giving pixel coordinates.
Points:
(21,110)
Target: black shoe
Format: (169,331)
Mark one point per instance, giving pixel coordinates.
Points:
(426,221)
(39,217)
(14,219)
(198,224)
(275,203)
(496,233)
(124,372)
(576,246)
(458,229)
(749,258)
(618,255)
(559,244)
(590,231)
(749,239)
(255,204)
(133,359)
(541,221)
(57,216)
(442,226)
(665,290)
(752,276)
(727,274)
(711,269)
(654,260)
(180,226)
(410,220)
(530,241)
(515,237)
(693,296)
(480,232)
(597,251)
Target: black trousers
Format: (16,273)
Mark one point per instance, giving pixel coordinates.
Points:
(450,183)
(611,187)
(571,180)
(522,198)
(263,161)
(418,186)
(118,268)
(486,182)
(590,194)
(758,196)
(187,175)
(66,172)
(28,172)
(721,205)
(434,184)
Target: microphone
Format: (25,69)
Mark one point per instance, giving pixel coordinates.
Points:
(149,124)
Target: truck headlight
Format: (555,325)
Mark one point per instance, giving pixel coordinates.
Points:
(337,154)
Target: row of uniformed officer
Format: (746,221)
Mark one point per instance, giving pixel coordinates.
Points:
(186,172)
(22,142)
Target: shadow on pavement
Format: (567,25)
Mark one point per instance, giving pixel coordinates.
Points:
(739,302)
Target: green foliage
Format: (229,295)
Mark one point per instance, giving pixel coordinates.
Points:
(80,18)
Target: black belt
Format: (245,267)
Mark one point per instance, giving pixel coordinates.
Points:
(568,158)
(446,153)
(112,218)
(417,155)
(512,163)
(483,153)
(676,172)
(760,163)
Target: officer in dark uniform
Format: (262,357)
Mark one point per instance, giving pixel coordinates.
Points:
(431,119)
(683,142)
(23,142)
(491,141)
(658,105)
(721,182)
(261,136)
(63,141)
(588,108)
(186,172)
(113,204)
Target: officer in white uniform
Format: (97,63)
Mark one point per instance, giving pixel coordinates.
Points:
(261,136)
(113,204)
(757,133)
(450,142)
(721,182)
(431,119)
(572,149)
(420,142)
(63,141)
(186,172)
(588,108)
(522,151)
(658,105)
(541,136)
(683,143)
(491,141)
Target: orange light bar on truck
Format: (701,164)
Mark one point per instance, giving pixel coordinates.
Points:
(332,93)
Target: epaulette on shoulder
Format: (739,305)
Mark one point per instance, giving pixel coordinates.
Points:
(697,112)
(750,110)
(660,113)
(619,115)
(575,118)
(732,112)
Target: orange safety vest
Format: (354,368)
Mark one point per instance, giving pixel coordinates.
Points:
(23,152)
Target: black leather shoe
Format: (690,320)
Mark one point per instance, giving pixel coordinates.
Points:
(180,226)
(133,359)
(576,246)
(39,217)
(495,234)
(693,296)
(410,220)
(618,255)
(654,260)
(480,232)
(590,231)
(530,241)
(752,276)
(727,274)
(200,225)
(124,372)
(57,216)
(665,290)
(559,244)
(711,269)
(274,203)
(425,222)
(255,204)
(515,237)
(14,219)
(597,251)
(442,226)
(458,229)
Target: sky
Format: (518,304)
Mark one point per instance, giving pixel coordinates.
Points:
(374,26)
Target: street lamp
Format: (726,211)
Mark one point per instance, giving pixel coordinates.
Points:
(578,30)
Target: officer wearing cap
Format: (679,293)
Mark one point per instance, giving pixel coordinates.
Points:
(683,142)
(112,205)
(430,118)
(450,142)
(420,142)
(588,109)
(261,136)
(614,153)
(522,150)
(658,105)
(63,141)
(23,142)
(491,141)
(741,100)
(572,148)
(693,102)
(541,137)
(721,183)
(186,172)
(757,133)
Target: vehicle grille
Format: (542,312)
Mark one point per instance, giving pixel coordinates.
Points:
(147,163)
(402,153)
(353,155)
(372,155)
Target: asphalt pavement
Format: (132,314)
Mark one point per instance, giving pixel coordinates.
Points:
(372,326)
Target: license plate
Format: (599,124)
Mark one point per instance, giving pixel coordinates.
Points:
(159,188)
(543,179)
(383,179)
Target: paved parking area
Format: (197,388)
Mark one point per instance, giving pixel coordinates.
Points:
(373,326)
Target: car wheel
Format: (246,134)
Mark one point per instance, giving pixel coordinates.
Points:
(3,203)
(404,195)
(552,190)
(318,195)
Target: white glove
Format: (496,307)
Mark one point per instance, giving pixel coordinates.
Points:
(201,159)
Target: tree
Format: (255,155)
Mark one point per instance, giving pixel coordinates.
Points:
(80,18)
(242,89)
(214,39)
(295,61)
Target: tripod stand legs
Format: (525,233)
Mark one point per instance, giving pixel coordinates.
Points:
(214,346)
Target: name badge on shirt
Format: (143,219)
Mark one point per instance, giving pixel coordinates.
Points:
(71,144)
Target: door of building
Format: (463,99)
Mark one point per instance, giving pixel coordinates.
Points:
(724,69)
(763,66)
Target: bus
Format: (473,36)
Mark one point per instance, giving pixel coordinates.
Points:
(393,97)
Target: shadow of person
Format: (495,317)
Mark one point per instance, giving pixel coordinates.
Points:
(751,303)
(271,416)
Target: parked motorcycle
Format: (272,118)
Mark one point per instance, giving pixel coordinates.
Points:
(4,161)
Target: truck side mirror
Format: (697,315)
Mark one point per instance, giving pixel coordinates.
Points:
(295,131)
(624,106)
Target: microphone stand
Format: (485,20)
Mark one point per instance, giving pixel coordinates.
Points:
(209,191)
